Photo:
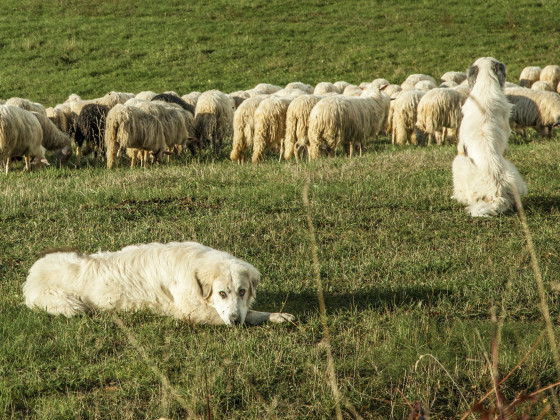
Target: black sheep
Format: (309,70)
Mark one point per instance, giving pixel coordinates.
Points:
(167,97)
(90,128)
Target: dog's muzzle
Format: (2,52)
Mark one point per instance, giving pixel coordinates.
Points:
(235,319)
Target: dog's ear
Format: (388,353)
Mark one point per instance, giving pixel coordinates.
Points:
(254,278)
(500,70)
(203,283)
(472,73)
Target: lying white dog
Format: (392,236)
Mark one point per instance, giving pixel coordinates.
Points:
(186,280)
(483,179)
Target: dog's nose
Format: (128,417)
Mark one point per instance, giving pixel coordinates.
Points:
(235,319)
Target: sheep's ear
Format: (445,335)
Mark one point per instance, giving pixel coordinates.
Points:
(472,72)
(500,70)
(204,283)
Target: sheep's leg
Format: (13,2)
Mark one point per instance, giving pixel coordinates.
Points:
(437,135)
(258,152)
(133,160)
(8,162)
(27,163)
(78,155)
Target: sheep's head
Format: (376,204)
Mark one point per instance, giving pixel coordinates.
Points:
(158,155)
(39,162)
(63,155)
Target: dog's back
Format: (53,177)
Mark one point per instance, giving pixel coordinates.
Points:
(483,179)
(47,284)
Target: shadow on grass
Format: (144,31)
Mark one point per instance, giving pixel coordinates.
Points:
(541,205)
(300,303)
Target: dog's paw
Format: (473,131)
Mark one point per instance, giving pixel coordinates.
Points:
(278,317)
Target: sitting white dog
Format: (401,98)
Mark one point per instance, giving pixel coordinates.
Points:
(483,179)
(186,280)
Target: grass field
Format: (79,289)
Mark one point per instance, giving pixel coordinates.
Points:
(410,280)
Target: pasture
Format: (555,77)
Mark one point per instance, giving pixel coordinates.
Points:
(423,303)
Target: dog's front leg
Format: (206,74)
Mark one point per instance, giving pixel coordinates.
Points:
(256,317)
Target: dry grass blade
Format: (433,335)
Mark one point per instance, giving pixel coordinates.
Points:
(507,376)
(540,285)
(162,376)
(323,312)
(448,375)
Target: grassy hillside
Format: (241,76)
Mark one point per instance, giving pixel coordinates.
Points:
(53,48)
(410,280)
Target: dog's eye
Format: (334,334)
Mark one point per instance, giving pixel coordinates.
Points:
(223,295)
(242,292)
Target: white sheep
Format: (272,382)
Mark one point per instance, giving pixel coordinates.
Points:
(238,97)
(463,90)
(341,85)
(131,128)
(53,139)
(403,115)
(213,119)
(542,85)
(425,85)
(392,89)
(352,90)
(346,121)
(297,125)
(73,97)
(334,121)
(59,117)
(331,123)
(191,98)
(270,126)
(325,87)
(177,123)
(20,135)
(113,98)
(529,75)
(413,79)
(524,113)
(292,93)
(375,111)
(547,105)
(243,128)
(145,95)
(439,110)
(26,104)
(379,83)
(267,88)
(453,76)
(301,86)
(551,74)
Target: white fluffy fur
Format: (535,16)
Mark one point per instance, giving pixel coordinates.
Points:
(483,179)
(185,280)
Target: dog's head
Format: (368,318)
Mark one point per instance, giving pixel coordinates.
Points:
(230,288)
(488,66)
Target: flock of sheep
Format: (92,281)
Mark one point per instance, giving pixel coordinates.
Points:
(293,120)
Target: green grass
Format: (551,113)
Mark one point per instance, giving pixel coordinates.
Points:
(406,272)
